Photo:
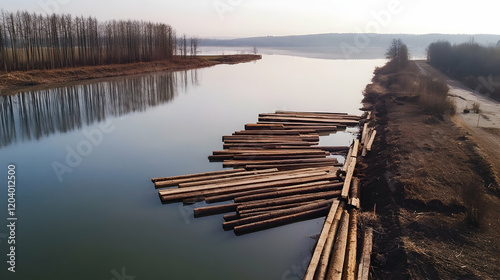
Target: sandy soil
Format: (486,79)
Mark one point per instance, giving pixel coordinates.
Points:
(419,180)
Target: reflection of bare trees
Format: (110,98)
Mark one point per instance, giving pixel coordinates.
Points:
(37,114)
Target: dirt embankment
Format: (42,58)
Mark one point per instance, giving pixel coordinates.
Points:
(436,197)
(13,82)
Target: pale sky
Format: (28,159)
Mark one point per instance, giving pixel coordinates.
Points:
(248,18)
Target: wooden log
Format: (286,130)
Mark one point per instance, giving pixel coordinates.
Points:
(274,132)
(316,116)
(197,175)
(300,137)
(313,263)
(269,140)
(355,148)
(363,134)
(269,145)
(350,262)
(280,221)
(290,166)
(255,126)
(327,249)
(281,193)
(348,178)
(254,174)
(307,178)
(279,157)
(313,120)
(231,217)
(233,163)
(354,193)
(310,113)
(348,159)
(364,264)
(263,178)
(370,142)
(256,211)
(274,214)
(229,196)
(336,264)
(214,210)
(288,200)
(305,150)
(302,125)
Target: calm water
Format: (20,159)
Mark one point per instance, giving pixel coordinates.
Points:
(85,154)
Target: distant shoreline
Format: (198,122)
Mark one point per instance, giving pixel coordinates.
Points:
(17,81)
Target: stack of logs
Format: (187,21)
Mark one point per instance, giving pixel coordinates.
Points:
(281,176)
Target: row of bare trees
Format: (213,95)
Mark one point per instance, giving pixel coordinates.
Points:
(30,41)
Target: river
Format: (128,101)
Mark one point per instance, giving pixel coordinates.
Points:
(85,153)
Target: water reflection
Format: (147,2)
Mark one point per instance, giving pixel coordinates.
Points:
(37,114)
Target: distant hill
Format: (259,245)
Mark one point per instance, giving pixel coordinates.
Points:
(351,45)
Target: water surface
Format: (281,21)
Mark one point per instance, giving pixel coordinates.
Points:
(85,154)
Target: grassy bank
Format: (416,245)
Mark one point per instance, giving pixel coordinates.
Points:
(16,81)
(435,195)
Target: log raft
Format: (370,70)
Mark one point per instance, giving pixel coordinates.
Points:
(279,174)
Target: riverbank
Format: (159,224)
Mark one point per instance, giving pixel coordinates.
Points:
(13,82)
(436,196)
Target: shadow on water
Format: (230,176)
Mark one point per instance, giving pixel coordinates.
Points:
(37,114)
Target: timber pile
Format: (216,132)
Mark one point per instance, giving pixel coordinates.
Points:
(280,175)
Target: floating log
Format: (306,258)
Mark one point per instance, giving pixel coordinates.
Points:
(280,221)
(280,157)
(350,262)
(233,163)
(291,166)
(275,132)
(312,120)
(268,145)
(274,214)
(254,174)
(214,210)
(224,190)
(229,196)
(288,200)
(313,264)
(197,175)
(254,126)
(325,255)
(231,217)
(281,193)
(364,264)
(317,116)
(311,113)
(300,137)
(256,211)
(336,264)
(262,178)
(292,125)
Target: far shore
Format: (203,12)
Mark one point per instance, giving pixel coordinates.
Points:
(18,81)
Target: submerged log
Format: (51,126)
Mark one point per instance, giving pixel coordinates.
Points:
(280,221)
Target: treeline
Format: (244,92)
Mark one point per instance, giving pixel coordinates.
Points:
(462,60)
(31,41)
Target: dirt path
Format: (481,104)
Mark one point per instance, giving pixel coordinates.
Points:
(484,127)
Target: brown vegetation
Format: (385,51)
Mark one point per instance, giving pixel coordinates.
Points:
(16,81)
(435,195)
